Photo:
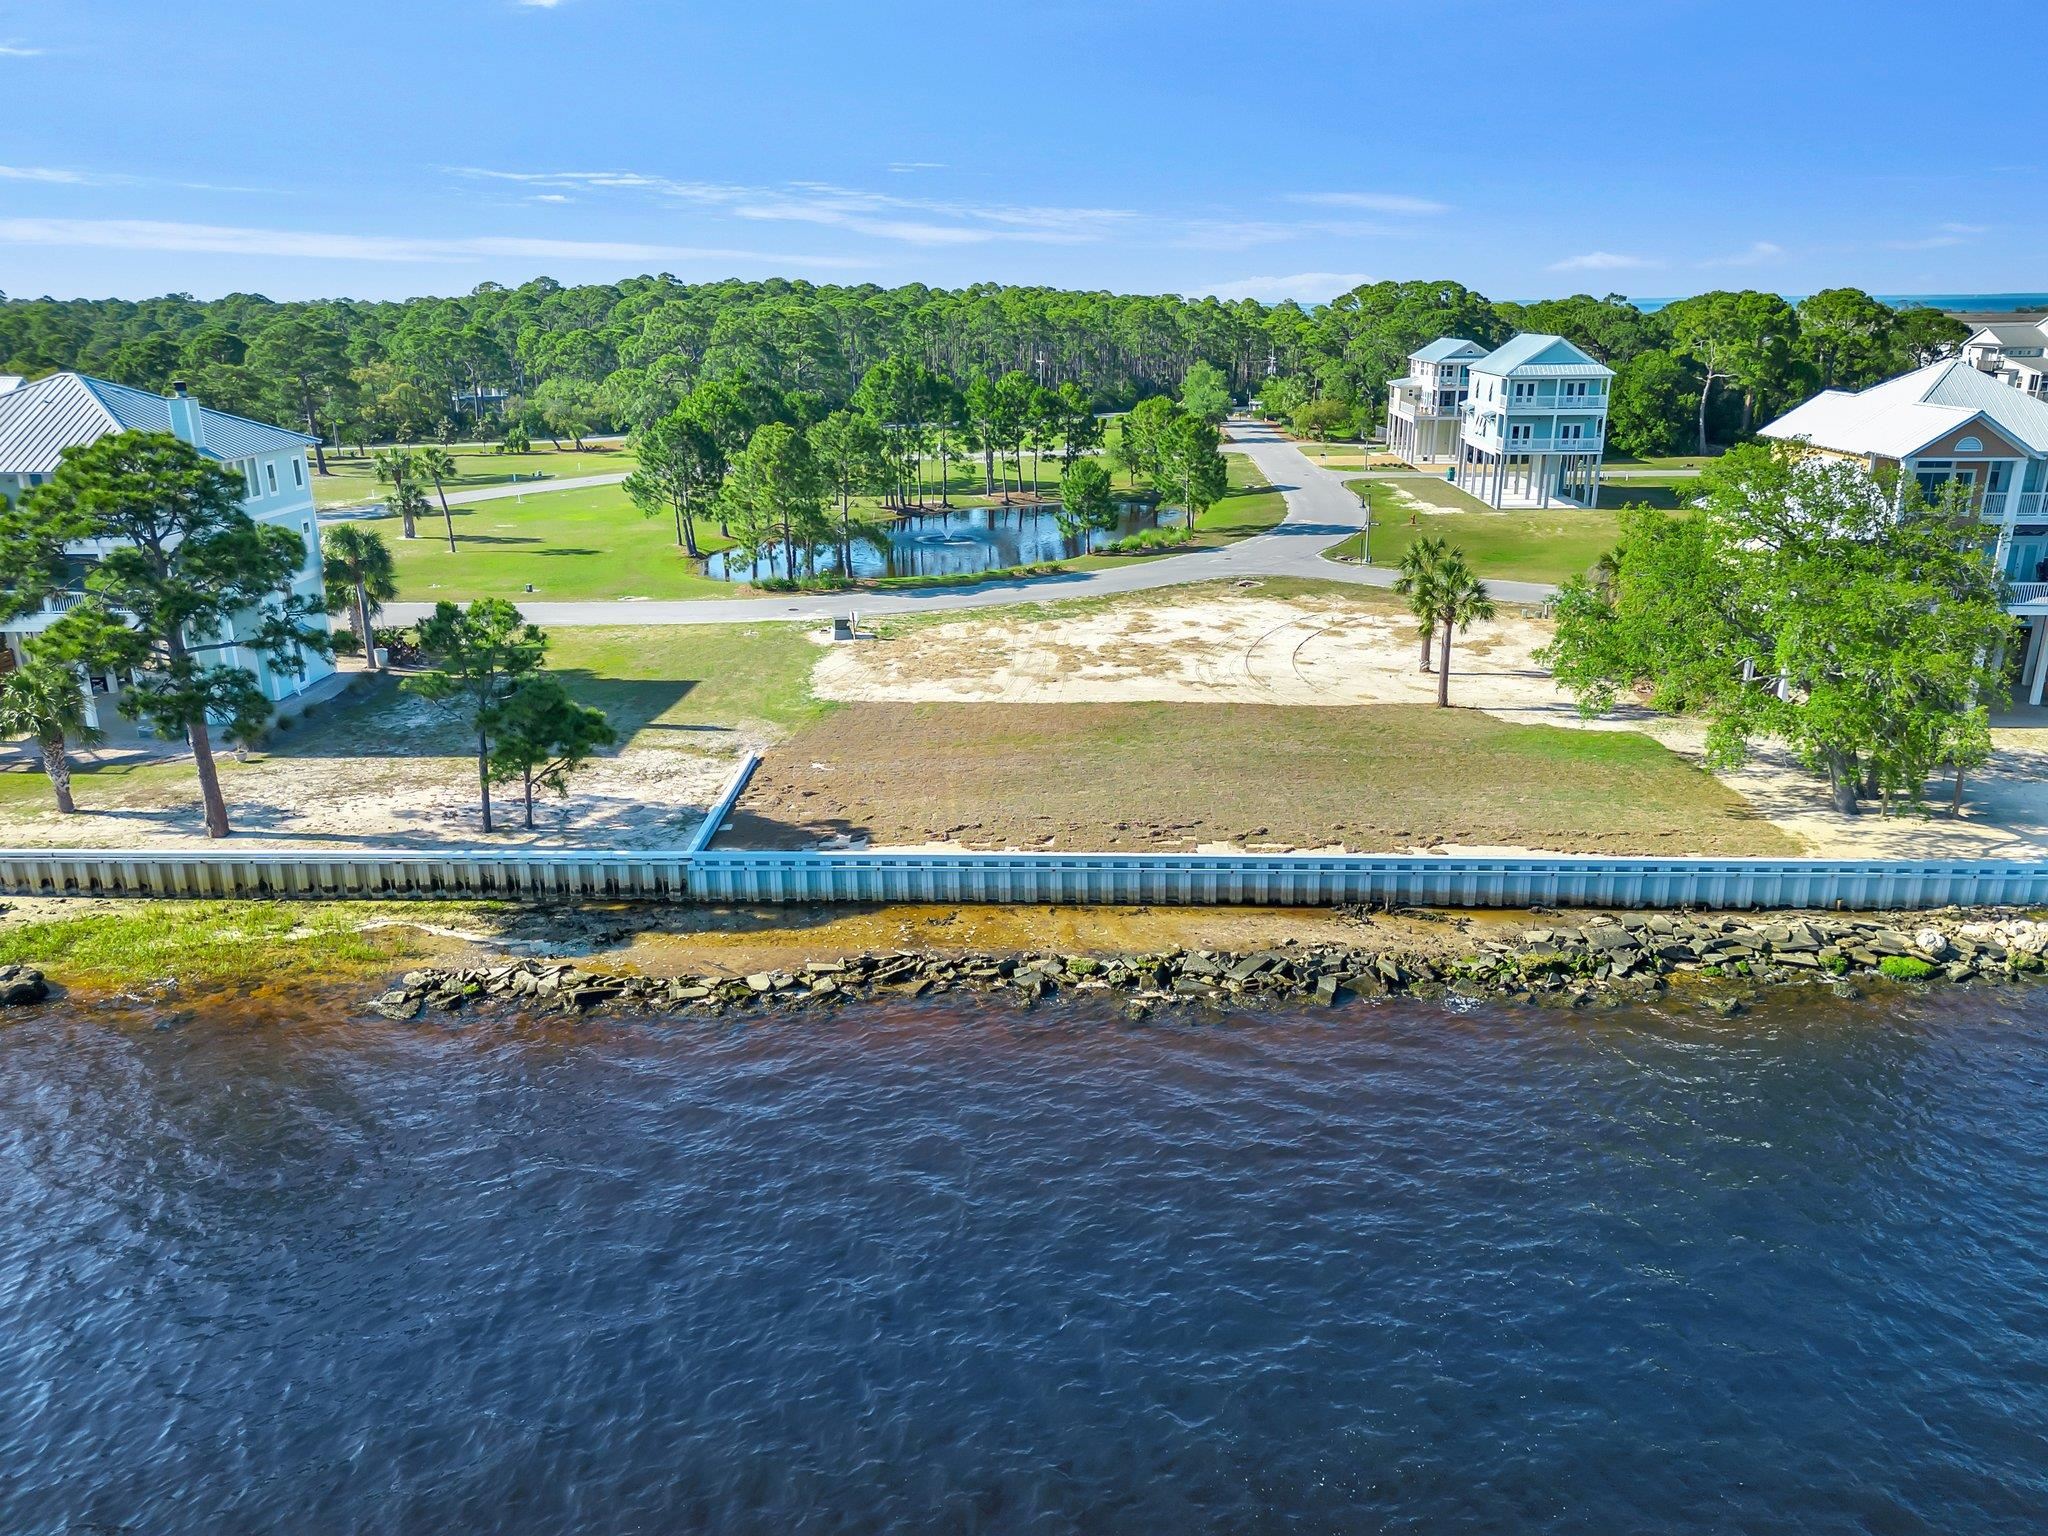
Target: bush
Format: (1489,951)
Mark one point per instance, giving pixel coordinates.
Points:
(1146,541)
(1906,967)
(402,646)
(346,643)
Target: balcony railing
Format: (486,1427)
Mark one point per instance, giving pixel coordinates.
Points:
(1538,444)
(1558,403)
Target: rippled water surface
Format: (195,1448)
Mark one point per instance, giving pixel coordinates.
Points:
(936,1269)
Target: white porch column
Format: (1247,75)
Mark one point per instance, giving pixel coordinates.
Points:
(2039,658)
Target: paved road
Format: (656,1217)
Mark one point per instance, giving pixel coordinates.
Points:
(364,509)
(1320,513)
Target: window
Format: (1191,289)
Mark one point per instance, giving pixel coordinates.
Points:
(1524,391)
(270,473)
(1970,445)
(248,469)
(298,469)
(1518,432)
(1571,431)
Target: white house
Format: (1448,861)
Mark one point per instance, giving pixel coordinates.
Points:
(2013,352)
(1523,425)
(1424,409)
(1954,421)
(69,410)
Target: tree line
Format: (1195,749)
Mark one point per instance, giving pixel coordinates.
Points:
(566,361)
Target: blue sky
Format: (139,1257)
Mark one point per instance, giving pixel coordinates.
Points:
(1277,148)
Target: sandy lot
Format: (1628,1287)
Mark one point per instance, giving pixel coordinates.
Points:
(316,792)
(1245,647)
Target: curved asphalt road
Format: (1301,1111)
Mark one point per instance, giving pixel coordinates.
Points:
(1320,513)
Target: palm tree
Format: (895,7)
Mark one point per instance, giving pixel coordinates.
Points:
(361,577)
(1461,602)
(1417,582)
(437,465)
(394,467)
(43,700)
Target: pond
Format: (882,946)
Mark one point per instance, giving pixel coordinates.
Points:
(955,543)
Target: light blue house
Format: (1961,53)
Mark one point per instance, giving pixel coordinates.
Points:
(39,421)
(1534,425)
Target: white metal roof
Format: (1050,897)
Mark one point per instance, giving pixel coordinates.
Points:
(68,410)
(1541,356)
(1445,348)
(1902,415)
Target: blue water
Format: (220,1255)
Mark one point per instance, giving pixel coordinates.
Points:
(927,1269)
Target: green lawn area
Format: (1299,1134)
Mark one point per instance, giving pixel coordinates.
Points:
(1618,460)
(569,545)
(1548,545)
(353,478)
(1375,778)
(592,544)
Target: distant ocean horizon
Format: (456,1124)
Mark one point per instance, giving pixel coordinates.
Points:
(1989,302)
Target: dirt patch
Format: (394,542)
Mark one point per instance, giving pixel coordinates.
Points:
(1197,778)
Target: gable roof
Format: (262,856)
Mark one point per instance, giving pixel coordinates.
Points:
(1543,356)
(1901,415)
(68,410)
(2016,334)
(1446,348)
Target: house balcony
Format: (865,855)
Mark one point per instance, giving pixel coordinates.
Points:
(1560,405)
(1545,443)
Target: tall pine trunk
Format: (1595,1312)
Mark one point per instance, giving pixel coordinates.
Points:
(209,779)
(483,775)
(1443,671)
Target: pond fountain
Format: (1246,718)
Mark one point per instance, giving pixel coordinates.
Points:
(958,542)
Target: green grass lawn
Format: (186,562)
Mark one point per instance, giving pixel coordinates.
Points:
(1618,460)
(353,478)
(1549,545)
(569,545)
(593,544)
(1371,778)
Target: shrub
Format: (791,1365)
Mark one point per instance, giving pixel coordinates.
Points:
(1147,541)
(346,643)
(1906,967)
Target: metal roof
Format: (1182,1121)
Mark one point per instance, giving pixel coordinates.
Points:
(1542,356)
(68,410)
(2015,333)
(1445,348)
(1901,415)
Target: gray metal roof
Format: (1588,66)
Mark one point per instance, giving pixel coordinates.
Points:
(68,410)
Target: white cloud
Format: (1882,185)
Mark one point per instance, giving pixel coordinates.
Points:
(1759,254)
(1601,261)
(1946,236)
(42,173)
(887,216)
(550,197)
(19,51)
(318,245)
(1302,287)
(905,167)
(1373,202)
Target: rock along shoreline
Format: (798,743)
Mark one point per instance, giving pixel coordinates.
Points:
(1602,960)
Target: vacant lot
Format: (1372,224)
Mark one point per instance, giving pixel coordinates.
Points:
(1205,776)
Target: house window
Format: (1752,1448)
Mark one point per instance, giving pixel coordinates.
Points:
(298,470)
(270,474)
(1571,431)
(1572,390)
(1518,432)
(1524,391)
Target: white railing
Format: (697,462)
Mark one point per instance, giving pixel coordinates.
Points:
(1035,878)
(1538,444)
